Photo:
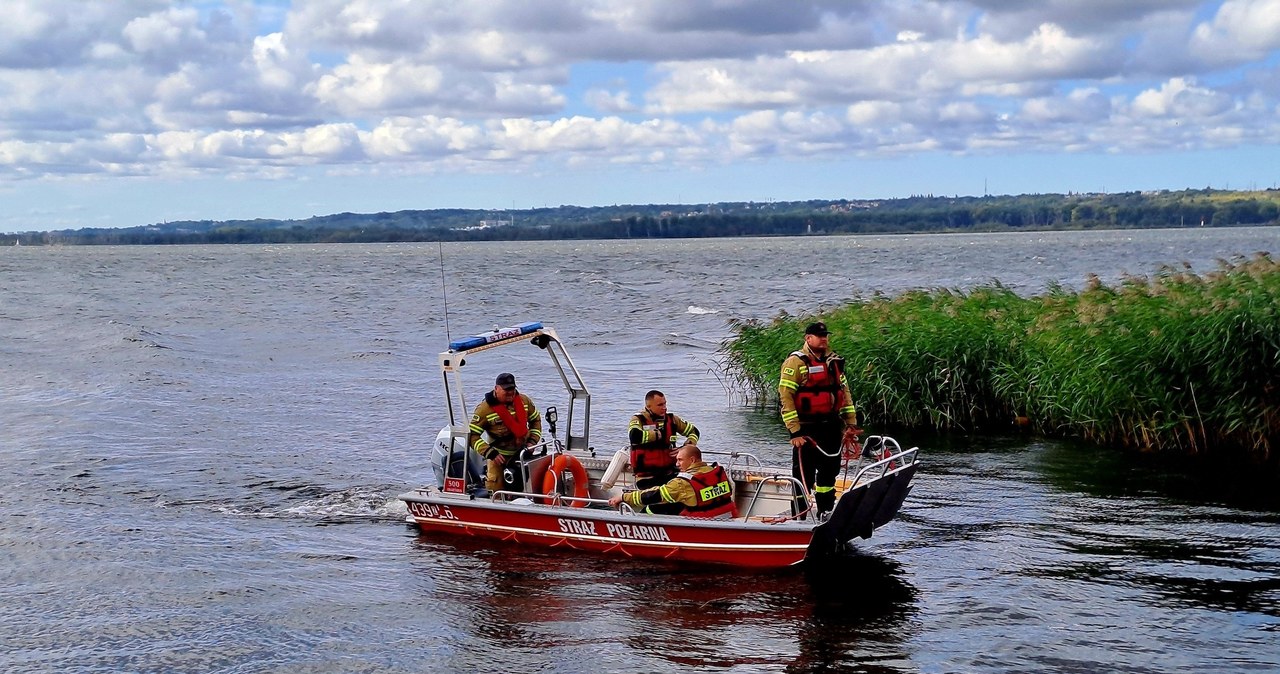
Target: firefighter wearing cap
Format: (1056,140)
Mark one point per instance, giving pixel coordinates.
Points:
(698,490)
(505,422)
(818,412)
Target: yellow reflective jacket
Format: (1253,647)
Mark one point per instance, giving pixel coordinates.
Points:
(501,440)
(795,376)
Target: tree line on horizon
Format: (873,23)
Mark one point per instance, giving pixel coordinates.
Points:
(916,214)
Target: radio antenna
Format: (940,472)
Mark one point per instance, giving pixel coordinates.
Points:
(444,290)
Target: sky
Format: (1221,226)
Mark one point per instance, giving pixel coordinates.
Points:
(119,113)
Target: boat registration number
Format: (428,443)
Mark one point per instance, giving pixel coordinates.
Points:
(432,511)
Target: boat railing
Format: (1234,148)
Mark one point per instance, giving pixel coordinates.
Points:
(797,492)
(888,464)
(748,460)
(547,499)
(539,449)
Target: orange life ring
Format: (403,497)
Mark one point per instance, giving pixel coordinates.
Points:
(551,479)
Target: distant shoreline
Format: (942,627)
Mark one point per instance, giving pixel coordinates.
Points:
(913,215)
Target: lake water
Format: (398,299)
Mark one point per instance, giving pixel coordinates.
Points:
(202,448)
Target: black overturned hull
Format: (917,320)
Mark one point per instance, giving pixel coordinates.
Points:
(860,511)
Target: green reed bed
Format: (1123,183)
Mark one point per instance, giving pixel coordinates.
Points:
(1176,362)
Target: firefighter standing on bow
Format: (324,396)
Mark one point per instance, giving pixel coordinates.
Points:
(511,422)
(818,412)
(652,435)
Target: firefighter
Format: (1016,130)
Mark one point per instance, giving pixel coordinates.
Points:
(511,422)
(698,490)
(652,435)
(818,412)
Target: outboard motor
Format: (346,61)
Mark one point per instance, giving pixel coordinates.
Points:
(455,461)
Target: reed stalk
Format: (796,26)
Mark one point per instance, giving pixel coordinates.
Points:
(1177,362)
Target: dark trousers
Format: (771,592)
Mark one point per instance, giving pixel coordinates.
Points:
(643,483)
(814,468)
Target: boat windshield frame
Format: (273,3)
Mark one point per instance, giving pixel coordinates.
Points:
(577,435)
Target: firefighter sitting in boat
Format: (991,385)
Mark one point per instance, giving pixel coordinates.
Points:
(704,490)
(652,433)
(511,422)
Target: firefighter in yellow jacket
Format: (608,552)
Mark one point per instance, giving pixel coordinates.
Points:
(652,436)
(511,422)
(818,412)
(698,490)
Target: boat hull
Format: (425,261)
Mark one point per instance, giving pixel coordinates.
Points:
(754,544)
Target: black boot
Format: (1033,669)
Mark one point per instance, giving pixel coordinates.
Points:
(825,501)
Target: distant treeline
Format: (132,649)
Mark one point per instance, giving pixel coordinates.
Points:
(919,214)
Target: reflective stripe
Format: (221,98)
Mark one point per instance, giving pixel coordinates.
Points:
(652,438)
(823,490)
(788,384)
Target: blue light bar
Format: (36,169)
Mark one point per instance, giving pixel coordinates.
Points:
(493,336)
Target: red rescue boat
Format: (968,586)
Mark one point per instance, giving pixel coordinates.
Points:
(556,494)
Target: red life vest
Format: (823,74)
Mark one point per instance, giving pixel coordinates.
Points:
(653,458)
(714,492)
(517,424)
(819,396)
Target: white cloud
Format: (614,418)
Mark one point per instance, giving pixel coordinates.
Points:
(64,33)
(1180,97)
(873,113)
(610,102)
(1082,106)
(359,85)
(1241,31)
(164,32)
(424,138)
(894,71)
(277,67)
(584,134)
(149,87)
(330,142)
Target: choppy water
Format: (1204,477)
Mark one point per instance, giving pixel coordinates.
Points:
(202,448)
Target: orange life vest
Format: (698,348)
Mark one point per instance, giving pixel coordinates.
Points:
(518,424)
(654,458)
(714,492)
(819,396)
